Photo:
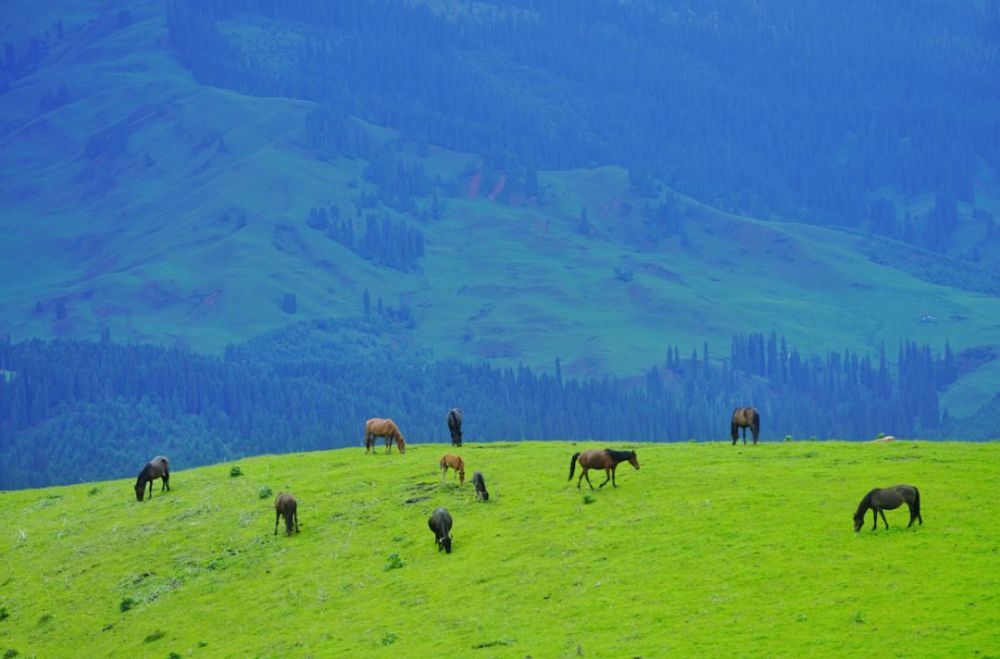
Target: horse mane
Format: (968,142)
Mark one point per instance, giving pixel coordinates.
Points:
(619,455)
(145,473)
(865,504)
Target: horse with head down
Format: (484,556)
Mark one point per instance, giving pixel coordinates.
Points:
(383,428)
(158,467)
(285,505)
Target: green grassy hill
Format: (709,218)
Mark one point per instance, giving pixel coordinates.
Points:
(706,550)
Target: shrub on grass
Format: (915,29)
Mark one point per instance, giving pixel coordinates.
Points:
(265,492)
(154,636)
(126,604)
(393,562)
(589,498)
(10,653)
(235,471)
(3,613)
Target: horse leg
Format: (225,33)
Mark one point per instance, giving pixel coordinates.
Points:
(277,516)
(607,475)
(882,512)
(613,470)
(296,520)
(875,518)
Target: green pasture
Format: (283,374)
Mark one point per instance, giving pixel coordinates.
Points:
(707,550)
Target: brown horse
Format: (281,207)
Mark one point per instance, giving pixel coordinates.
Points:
(888,498)
(454,462)
(383,428)
(606,459)
(158,467)
(285,504)
(745,417)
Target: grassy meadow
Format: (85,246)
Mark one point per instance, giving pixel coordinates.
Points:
(707,550)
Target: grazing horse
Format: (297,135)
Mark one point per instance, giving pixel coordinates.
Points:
(158,467)
(481,493)
(745,417)
(888,498)
(456,463)
(440,523)
(285,504)
(455,426)
(383,428)
(606,459)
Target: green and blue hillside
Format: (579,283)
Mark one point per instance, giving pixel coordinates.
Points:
(707,550)
(152,207)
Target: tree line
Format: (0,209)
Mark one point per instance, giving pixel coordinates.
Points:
(78,410)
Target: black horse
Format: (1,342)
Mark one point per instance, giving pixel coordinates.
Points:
(158,467)
(440,523)
(606,459)
(480,484)
(285,504)
(745,417)
(455,426)
(888,498)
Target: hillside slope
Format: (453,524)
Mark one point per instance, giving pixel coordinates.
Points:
(159,209)
(707,549)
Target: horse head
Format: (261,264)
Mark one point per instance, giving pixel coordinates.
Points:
(633,460)
(140,490)
(859,521)
(445,543)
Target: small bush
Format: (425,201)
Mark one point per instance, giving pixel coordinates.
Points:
(10,653)
(859,618)
(174,655)
(3,613)
(788,438)
(589,498)
(265,492)
(93,490)
(126,604)
(393,562)
(45,619)
(155,636)
(235,471)
(389,638)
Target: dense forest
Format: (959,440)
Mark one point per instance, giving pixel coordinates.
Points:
(808,110)
(75,411)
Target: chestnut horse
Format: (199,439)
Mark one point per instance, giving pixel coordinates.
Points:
(606,459)
(158,467)
(745,417)
(454,462)
(455,426)
(888,498)
(383,428)
(285,504)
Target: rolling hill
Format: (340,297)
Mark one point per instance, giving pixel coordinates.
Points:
(139,202)
(707,549)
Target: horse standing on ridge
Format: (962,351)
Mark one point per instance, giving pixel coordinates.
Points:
(606,459)
(387,428)
(158,467)
(745,417)
(455,426)
(888,498)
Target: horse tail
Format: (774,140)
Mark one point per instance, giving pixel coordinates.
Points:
(572,465)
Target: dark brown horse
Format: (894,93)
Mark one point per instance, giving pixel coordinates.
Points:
(285,504)
(440,523)
(745,417)
(455,426)
(449,461)
(888,498)
(383,428)
(606,459)
(158,467)
(480,484)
